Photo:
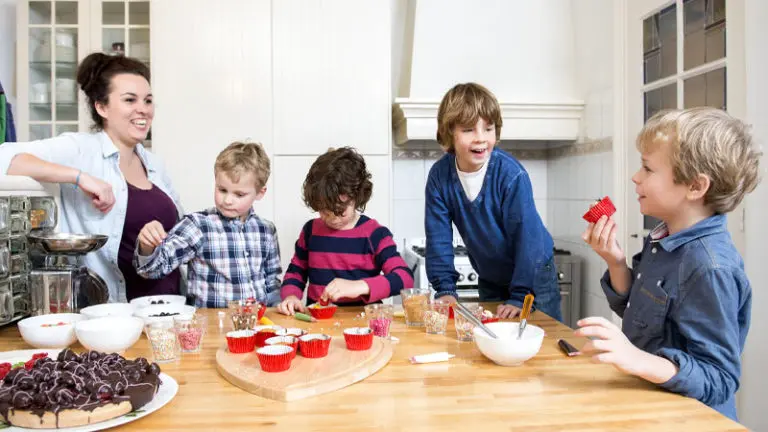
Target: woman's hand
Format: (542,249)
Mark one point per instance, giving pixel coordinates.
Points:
(100,192)
(290,306)
(150,237)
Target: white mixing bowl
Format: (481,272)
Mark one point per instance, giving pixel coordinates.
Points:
(507,350)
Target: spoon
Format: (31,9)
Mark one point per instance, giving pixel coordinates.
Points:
(524,314)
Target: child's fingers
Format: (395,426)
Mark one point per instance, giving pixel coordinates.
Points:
(606,233)
(612,236)
(587,232)
(594,331)
(596,320)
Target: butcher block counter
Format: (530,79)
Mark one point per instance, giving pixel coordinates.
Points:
(548,393)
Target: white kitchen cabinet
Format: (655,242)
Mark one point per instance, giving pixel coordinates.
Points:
(290,172)
(331,76)
(52,37)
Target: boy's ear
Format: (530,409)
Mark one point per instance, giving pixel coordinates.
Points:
(699,187)
(261,193)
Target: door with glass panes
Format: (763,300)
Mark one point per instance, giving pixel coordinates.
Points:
(679,54)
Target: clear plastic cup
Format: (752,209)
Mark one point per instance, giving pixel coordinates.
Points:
(190,330)
(436,317)
(163,341)
(415,301)
(379,318)
(465,327)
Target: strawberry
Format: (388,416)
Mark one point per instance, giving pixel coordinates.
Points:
(39,355)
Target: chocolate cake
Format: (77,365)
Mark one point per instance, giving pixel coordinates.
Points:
(77,389)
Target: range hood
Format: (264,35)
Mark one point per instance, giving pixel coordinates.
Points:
(522,51)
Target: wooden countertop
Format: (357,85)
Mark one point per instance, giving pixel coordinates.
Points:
(549,392)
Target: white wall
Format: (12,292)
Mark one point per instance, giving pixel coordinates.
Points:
(754,383)
(8,48)
(585,172)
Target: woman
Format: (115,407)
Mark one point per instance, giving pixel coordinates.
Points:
(109,183)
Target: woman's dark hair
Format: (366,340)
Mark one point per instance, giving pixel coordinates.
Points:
(336,173)
(94,75)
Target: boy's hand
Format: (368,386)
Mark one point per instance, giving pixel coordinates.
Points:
(339,288)
(290,306)
(150,237)
(610,345)
(601,236)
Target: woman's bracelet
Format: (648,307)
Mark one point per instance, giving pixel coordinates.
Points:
(77,179)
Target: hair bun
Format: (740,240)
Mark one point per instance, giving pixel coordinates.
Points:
(90,69)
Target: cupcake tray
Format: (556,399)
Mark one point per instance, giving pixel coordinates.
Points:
(306,377)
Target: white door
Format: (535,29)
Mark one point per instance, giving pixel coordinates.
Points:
(675,57)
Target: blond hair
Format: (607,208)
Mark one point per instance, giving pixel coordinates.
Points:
(706,141)
(241,158)
(464,105)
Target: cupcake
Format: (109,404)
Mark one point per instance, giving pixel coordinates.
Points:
(291,331)
(265,332)
(322,312)
(314,345)
(290,341)
(603,207)
(241,341)
(358,338)
(275,358)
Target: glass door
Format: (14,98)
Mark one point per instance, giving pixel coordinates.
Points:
(54,39)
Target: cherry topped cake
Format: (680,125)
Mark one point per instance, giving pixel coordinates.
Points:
(76,389)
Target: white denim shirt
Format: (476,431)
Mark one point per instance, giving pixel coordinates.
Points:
(95,154)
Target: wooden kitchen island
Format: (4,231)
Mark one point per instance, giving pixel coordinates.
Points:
(548,393)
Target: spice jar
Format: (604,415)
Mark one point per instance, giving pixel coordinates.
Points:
(436,317)
(162,339)
(190,330)
(379,318)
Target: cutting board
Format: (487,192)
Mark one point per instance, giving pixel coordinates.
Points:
(306,377)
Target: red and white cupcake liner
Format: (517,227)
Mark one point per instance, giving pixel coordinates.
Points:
(275,358)
(290,341)
(603,208)
(358,338)
(314,345)
(291,331)
(241,341)
(322,312)
(265,332)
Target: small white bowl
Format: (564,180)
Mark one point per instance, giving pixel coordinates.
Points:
(57,336)
(109,334)
(507,350)
(108,309)
(147,313)
(142,302)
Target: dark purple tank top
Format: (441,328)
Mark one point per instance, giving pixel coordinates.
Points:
(145,206)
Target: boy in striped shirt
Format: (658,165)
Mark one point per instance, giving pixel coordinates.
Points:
(342,254)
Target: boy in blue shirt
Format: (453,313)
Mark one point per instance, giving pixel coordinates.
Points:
(487,194)
(686,300)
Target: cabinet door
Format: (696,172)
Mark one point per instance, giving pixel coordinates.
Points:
(331,76)
(290,212)
(51,37)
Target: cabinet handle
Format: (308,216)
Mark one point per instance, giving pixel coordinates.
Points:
(560,275)
(634,235)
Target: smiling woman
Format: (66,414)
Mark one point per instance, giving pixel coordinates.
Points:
(109,184)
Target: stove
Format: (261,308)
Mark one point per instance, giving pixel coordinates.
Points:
(568,275)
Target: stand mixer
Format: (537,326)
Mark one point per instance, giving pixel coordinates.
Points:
(59,281)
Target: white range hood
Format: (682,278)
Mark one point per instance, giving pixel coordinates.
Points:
(522,51)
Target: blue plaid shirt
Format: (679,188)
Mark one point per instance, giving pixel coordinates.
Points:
(227,259)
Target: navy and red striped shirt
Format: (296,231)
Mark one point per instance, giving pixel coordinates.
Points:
(361,253)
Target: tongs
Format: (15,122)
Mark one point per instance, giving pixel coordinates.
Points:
(466,313)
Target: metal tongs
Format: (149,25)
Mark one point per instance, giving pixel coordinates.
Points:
(524,314)
(466,313)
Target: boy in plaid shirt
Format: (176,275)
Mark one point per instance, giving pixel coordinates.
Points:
(231,253)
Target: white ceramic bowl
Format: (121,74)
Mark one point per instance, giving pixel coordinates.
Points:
(109,334)
(150,314)
(507,350)
(108,309)
(59,336)
(141,302)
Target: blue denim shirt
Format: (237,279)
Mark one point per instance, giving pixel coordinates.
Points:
(505,237)
(690,303)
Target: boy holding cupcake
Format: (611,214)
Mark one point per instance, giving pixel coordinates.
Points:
(486,193)
(686,300)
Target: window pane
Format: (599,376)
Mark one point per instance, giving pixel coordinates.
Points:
(668,35)
(66,12)
(659,99)
(704,38)
(708,89)
(139,44)
(660,45)
(40,12)
(112,12)
(138,13)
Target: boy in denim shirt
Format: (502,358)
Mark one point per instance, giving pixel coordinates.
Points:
(686,301)
(487,194)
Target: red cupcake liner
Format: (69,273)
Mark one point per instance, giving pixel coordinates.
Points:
(275,358)
(489,320)
(323,312)
(314,345)
(290,341)
(603,208)
(263,335)
(358,338)
(241,341)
